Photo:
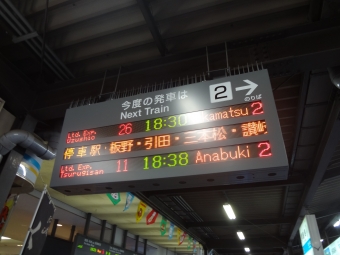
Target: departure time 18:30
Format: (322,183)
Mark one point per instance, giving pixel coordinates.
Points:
(227,112)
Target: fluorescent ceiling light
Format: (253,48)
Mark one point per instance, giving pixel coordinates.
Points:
(321,240)
(240,235)
(59,225)
(229,211)
(247,249)
(337,224)
(19,245)
(5,238)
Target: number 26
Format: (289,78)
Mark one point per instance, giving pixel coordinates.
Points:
(125,129)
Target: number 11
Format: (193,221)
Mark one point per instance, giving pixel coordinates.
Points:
(125,166)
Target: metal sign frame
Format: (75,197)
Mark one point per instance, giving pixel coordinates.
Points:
(227,91)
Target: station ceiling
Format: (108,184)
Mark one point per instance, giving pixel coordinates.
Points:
(91,48)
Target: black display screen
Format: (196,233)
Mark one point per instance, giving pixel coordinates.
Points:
(247,129)
(192,118)
(168,160)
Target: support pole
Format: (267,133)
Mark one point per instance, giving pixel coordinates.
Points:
(54,228)
(102,231)
(136,245)
(326,235)
(290,251)
(125,238)
(113,234)
(151,23)
(87,224)
(145,246)
(326,148)
(73,229)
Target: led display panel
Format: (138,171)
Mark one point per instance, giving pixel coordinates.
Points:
(173,121)
(183,158)
(215,132)
(84,245)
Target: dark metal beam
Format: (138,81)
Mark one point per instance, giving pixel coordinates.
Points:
(51,60)
(152,26)
(315,10)
(217,48)
(284,199)
(331,173)
(328,143)
(66,48)
(335,218)
(102,230)
(52,8)
(274,251)
(253,251)
(328,212)
(291,181)
(294,64)
(25,37)
(234,223)
(254,243)
(299,116)
(15,88)
(194,13)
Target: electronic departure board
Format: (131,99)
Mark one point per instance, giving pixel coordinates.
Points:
(215,132)
(83,245)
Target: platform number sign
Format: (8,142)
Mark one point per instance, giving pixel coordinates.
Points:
(226,130)
(223,91)
(220,92)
